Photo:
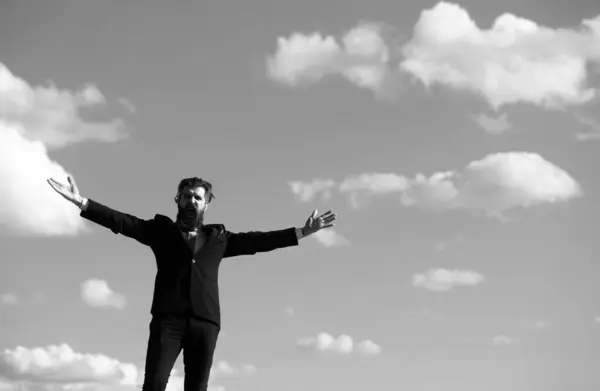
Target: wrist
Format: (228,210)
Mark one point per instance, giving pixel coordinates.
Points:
(81,202)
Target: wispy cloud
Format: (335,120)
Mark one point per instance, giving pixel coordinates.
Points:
(96,293)
(593,132)
(343,345)
(33,120)
(222,369)
(495,184)
(307,191)
(493,125)
(454,241)
(330,238)
(128,105)
(442,280)
(537,324)
(501,340)
(9,298)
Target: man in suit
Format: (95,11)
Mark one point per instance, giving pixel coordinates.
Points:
(185,307)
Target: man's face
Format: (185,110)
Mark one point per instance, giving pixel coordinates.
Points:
(191,206)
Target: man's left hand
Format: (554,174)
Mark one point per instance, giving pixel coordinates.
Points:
(315,224)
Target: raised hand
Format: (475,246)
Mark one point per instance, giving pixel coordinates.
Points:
(315,224)
(69,192)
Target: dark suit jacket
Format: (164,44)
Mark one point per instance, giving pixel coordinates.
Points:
(183,281)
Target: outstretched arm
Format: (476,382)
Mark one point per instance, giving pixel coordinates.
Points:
(118,222)
(248,243)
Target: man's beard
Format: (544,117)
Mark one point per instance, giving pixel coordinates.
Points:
(190,218)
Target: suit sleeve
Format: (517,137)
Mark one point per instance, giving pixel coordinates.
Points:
(252,242)
(119,222)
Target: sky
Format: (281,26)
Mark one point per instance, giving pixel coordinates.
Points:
(456,141)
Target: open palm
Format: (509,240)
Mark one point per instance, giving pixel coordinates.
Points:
(314,224)
(69,192)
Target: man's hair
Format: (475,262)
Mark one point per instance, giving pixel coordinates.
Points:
(192,183)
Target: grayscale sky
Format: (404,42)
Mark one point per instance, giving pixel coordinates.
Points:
(457,142)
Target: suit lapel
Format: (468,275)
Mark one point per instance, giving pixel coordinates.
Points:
(196,244)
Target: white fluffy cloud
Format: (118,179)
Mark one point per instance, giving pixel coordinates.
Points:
(33,120)
(60,368)
(516,60)
(497,183)
(361,57)
(96,293)
(343,344)
(442,280)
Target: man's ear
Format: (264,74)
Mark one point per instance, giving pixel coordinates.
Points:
(205,207)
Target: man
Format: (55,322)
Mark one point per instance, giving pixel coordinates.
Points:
(185,307)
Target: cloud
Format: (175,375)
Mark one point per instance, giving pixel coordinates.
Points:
(128,105)
(368,348)
(96,293)
(60,368)
(307,191)
(361,58)
(593,132)
(330,238)
(493,125)
(53,116)
(538,324)
(497,183)
(342,345)
(34,120)
(455,241)
(501,340)
(442,280)
(9,298)
(222,369)
(514,61)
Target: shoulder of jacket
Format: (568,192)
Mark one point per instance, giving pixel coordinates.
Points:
(162,219)
(220,228)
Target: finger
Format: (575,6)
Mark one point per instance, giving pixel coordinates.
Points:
(73,184)
(55,185)
(329,225)
(314,214)
(330,219)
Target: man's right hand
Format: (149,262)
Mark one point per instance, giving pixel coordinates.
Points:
(70,192)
